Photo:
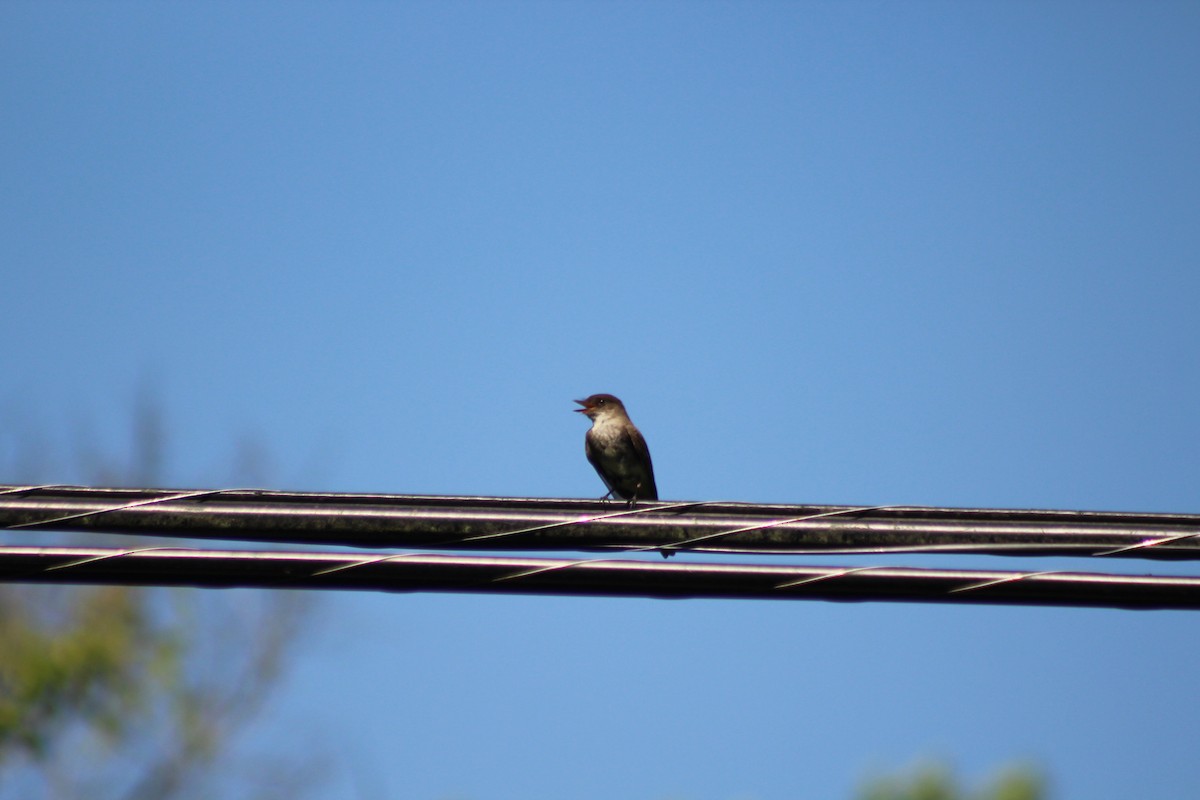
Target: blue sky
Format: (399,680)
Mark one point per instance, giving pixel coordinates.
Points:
(865,253)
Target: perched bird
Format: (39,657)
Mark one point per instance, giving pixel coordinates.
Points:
(617,450)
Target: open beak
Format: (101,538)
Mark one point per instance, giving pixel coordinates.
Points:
(583,403)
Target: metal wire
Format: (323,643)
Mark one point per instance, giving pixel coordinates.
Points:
(411,572)
(509,523)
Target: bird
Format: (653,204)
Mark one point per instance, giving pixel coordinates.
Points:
(617,450)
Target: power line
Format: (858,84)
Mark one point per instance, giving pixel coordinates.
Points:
(507,523)
(166,566)
(526,524)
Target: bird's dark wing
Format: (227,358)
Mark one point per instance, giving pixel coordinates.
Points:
(648,490)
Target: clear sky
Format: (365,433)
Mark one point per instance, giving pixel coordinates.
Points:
(937,253)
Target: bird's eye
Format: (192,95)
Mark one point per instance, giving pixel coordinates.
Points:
(601,401)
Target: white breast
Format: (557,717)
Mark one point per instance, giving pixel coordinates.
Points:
(606,430)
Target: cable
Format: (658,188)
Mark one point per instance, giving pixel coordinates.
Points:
(411,572)
(526,524)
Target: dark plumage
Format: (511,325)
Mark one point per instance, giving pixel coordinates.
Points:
(616,449)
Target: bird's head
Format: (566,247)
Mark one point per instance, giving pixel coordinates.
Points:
(601,405)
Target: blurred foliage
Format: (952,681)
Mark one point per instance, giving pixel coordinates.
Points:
(133,693)
(83,664)
(937,782)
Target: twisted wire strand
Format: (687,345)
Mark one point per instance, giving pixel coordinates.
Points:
(373,519)
(432,572)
